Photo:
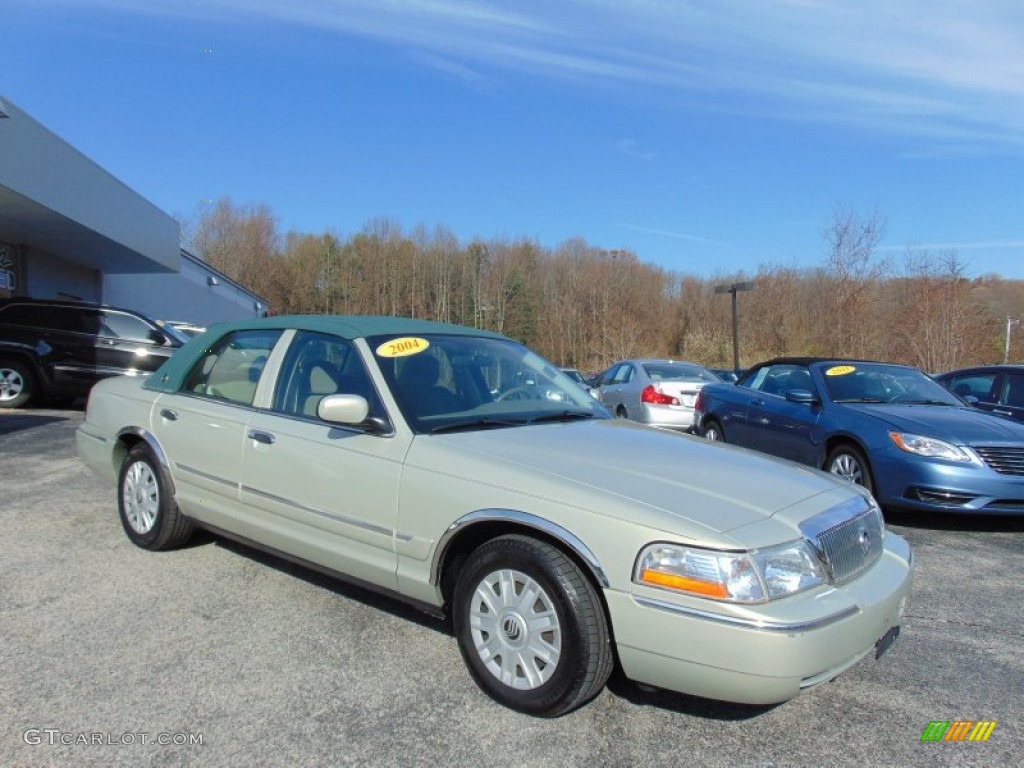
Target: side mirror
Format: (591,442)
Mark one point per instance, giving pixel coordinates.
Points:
(350,411)
(801,396)
(157,337)
(970,399)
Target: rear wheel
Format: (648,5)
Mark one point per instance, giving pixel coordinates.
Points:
(531,627)
(17,384)
(848,462)
(713,431)
(149,514)
(620,412)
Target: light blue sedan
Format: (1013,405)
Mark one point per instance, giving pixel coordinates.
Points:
(889,428)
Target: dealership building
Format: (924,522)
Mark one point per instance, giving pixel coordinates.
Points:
(69,229)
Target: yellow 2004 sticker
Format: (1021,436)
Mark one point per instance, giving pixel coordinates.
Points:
(840,370)
(403,347)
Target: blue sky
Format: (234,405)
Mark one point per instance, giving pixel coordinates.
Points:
(709,137)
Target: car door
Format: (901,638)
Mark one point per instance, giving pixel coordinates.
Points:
(323,492)
(614,391)
(127,344)
(202,427)
(779,426)
(1011,396)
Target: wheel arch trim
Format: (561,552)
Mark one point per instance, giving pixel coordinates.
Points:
(525,519)
(150,440)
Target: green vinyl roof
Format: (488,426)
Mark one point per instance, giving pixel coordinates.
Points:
(169,376)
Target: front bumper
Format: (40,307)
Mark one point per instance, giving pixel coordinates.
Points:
(930,485)
(759,654)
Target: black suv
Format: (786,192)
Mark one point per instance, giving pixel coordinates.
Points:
(59,349)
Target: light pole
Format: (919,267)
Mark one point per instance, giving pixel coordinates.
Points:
(734,288)
(1006,350)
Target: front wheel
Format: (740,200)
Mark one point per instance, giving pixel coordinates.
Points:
(531,627)
(17,384)
(149,514)
(848,462)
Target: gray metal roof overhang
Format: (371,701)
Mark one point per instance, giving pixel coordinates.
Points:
(55,199)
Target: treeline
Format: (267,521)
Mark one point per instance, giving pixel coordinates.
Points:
(585,306)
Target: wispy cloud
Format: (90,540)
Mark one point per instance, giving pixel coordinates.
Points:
(674,235)
(979,245)
(944,70)
(632,149)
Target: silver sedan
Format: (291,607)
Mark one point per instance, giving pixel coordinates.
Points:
(656,392)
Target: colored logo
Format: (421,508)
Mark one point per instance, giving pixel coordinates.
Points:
(958,730)
(840,370)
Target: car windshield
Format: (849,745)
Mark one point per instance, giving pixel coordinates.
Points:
(881,383)
(450,383)
(675,371)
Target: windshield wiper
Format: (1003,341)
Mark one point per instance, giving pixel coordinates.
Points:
(926,402)
(562,416)
(460,426)
(861,400)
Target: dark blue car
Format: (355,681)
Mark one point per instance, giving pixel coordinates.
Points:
(888,427)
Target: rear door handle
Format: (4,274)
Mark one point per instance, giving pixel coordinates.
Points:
(262,437)
(168,414)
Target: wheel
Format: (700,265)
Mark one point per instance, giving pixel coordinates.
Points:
(531,627)
(620,412)
(149,514)
(17,384)
(848,462)
(713,431)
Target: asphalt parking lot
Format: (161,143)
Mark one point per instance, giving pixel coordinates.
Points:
(110,655)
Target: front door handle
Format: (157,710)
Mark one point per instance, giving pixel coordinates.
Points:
(168,414)
(1001,412)
(262,437)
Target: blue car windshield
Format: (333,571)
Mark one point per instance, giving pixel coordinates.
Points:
(857,382)
(460,383)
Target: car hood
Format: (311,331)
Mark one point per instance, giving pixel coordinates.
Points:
(959,425)
(632,472)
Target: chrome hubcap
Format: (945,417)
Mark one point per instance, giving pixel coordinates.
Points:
(848,467)
(11,384)
(515,629)
(712,434)
(141,497)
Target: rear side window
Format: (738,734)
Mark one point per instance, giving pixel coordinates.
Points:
(979,385)
(45,317)
(231,369)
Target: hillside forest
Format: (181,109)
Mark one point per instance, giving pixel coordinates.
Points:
(584,306)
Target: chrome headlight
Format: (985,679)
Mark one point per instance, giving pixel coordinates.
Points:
(929,447)
(739,577)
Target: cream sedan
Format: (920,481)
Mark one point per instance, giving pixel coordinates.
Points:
(457,470)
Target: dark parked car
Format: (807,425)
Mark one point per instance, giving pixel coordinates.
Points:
(59,349)
(995,388)
(887,427)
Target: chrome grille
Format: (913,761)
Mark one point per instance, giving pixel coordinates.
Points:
(1004,459)
(847,538)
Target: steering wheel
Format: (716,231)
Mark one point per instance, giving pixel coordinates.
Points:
(516,393)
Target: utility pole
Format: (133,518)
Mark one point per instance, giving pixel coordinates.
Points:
(734,288)
(1006,350)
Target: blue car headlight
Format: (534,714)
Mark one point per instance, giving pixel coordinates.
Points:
(929,447)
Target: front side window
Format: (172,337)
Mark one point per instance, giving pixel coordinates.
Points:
(978,384)
(779,379)
(318,365)
(231,369)
(448,383)
(122,326)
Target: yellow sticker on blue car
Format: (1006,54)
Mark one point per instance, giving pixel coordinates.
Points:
(403,347)
(840,370)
